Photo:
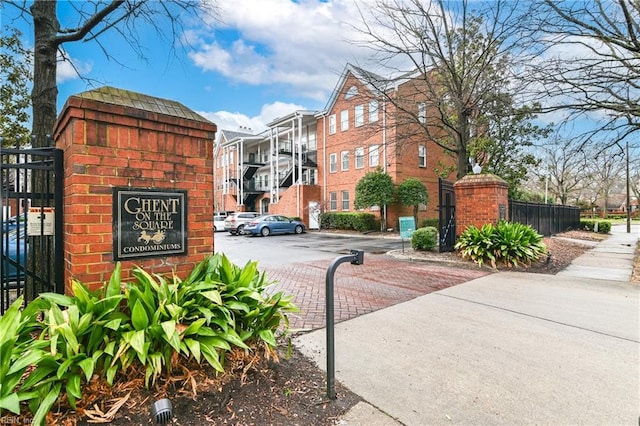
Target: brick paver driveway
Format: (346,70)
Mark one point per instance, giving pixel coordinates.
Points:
(380,282)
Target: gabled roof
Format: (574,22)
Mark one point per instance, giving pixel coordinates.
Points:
(375,83)
(127,98)
(230,134)
(298,113)
(372,81)
(230,138)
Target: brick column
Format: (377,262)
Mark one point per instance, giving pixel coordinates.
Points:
(138,145)
(480,199)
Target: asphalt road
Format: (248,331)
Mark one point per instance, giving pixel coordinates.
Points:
(276,250)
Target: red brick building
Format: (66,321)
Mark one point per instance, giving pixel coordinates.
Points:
(311,161)
(361,130)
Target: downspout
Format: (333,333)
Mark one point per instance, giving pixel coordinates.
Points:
(277,143)
(299,165)
(216,150)
(272,159)
(225,175)
(239,173)
(324,158)
(384,155)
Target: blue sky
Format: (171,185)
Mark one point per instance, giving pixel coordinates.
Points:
(264,60)
(260,60)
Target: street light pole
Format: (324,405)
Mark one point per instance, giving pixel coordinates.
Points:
(628,195)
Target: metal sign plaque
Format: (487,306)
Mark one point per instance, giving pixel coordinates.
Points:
(149,223)
(407,226)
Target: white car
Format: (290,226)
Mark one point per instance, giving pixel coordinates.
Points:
(218,223)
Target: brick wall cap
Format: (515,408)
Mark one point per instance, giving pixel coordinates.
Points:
(130,101)
(481,179)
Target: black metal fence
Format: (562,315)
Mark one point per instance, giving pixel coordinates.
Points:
(31,235)
(547,219)
(447,215)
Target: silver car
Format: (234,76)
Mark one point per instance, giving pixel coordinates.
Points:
(235,222)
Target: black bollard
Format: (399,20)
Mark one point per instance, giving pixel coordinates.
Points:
(356,258)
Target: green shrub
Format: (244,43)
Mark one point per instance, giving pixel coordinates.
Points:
(517,243)
(424,238)
(604,226)
(152,321)
(18,353)
(510,243)
(435,222)
(477,244)
(355,221)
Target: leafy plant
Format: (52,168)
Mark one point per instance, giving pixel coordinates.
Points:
(219,305)
(79,333)
(153,320)
(17,354)
(509,242)
(477,244)
(517,243)
(374,189)
(412,192)
(424,238)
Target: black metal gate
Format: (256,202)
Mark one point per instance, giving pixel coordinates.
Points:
(31,236)
(447,217)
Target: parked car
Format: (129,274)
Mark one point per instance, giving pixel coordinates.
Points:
(15,251)
(224,213)
(273,224)
(218,222)
(235,222)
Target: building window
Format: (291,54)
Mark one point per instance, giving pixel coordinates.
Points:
(333,201)
(373,111)
(345,200)
(344,120)
(359,158)
(333,163)
(422,112)
(312,142)
(373,156)
(332,124)
(359,116)
(422,156)
(351,92)
(344,160)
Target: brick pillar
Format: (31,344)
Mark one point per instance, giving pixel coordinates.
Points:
(138,144)
(480,199)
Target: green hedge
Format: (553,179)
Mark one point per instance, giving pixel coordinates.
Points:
(435,222)
(604,226)
(356,221)
(425,238)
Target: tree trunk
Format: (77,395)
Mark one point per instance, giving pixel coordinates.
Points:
(45,91)
(462,144)
(44,102)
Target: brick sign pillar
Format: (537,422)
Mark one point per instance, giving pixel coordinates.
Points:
(116,140)
(480,199)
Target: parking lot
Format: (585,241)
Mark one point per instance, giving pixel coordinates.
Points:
(298,263)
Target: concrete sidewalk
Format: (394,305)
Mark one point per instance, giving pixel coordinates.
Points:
(611,259)
(508,348)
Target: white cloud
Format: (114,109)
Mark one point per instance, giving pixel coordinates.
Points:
(302,45)
(226,120)
(70,69)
